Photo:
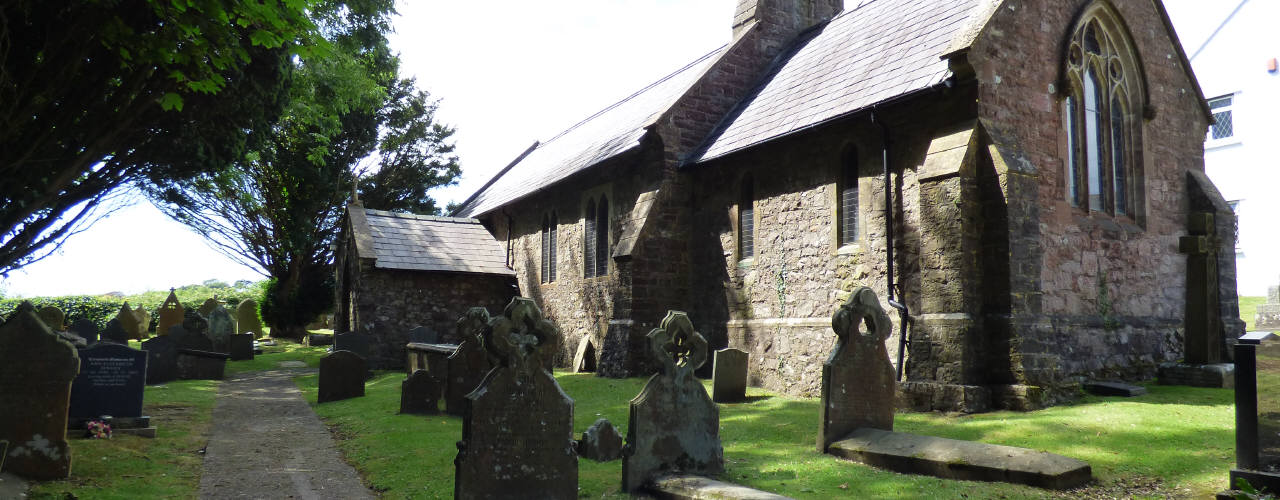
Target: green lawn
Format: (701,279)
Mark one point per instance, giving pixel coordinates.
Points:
(1249,309)
(284,350)
(1176,441)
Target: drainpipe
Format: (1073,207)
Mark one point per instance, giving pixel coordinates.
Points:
(510,222)
(904,314)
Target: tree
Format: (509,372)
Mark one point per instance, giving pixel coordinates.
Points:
(349,116)
(95,95)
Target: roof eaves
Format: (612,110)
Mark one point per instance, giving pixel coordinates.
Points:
(464,207)
(360,230)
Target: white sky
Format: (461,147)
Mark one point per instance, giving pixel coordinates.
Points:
(508,73)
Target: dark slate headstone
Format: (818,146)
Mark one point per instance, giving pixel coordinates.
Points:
(86,329)
(111,380)
(187,339)
(341,376)
(468,365)
(601,442)
(221,327)
(241,346)
(356,342)
(420,394)
(194,364)
(1101,388)
(729,376)
(517,435)
(858,380)
(422,335)
(113,332)
(162,359)
(674,425)
(36,369)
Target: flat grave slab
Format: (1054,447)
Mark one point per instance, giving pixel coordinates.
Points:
(698,487)
(1114,389)
(964,460)
(1217,375)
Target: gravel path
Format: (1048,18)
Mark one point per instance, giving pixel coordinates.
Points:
(267,443)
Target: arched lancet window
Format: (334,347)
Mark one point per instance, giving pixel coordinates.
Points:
(549,247)
(602,237)
(1102,90)
(746,219)
(589,241)
(848,208)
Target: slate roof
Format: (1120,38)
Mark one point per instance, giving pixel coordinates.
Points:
(429,243)
(878,51)
(604,135)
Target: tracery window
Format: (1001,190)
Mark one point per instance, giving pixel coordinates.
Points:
(1103,90)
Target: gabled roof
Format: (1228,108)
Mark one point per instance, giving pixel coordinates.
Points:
(428,243)
(876,52)
(604,135)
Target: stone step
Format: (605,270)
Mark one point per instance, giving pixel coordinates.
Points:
(684,487)
(966,460)
(1114,389)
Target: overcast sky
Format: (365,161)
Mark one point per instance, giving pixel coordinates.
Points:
(508,73)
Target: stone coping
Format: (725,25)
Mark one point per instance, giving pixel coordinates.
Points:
(965,460)
(680,487)
(437,348)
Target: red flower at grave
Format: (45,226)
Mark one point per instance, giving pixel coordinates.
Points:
(97,429)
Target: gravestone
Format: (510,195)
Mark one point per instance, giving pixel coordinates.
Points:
(241,346)
(517,434)
(53,318)
(729,376)
(420,394)
(247,320)
(193,322)
(86,329)
(421,335)
(674,424)
(601,442)
(162,359)
(858,380)
(195,364)
(111,380)
(1202,335)
(115,332)
(144,320)
(190,340)
(207,306)
(170,314)
(1268,314)
(36,369)
(341,376)
(221,327)
(128,321)
(468,365)
(355,342)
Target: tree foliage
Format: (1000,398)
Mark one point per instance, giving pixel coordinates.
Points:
(98,94)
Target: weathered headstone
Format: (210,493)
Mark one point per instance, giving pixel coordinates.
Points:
(115,332)
(162,359)
(1202,336)
(170,314)
(858,380)
(111,381)
(421,335)
(601,442)
(221,327)
(355,342)
(241,347)
(193,322)
(128,321)
(468,365)
(190,340)
(674,424)
(53,318)
(144,320)
(341,376)
(36,369)
(207,306)
(517,435)
(86,329)
(247,320)
(420,394)
(729,376)
(1267,317)
(194,364)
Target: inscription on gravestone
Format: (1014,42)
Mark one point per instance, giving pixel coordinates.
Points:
(111,381)
(468,365)
(36,369)
(858,382)
(517,434)
(729,376)
(674,425)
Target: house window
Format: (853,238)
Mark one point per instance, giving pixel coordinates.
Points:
(1102,91)
(1223,127)
(848,204)
(595,238)
(746,219)
(549,247)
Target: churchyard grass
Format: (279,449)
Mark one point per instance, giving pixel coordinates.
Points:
(129,467)
(273,355)
(1175,441)
(1249,309)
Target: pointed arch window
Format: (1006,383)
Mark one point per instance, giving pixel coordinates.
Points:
(1103,89)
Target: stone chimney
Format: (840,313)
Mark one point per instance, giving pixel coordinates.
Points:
(781,20)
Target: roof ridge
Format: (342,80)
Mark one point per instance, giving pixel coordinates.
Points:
(435,218)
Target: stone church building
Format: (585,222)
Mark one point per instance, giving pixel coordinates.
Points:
(1013,177)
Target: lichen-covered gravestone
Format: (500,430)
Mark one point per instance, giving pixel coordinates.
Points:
(86,329)
(115,332)
(53,318)
(517,434)
(162,359)
(128,321)
(675,428)
(601,442)
(341,376)
(420,394)
(193,322)
(247,320)
(221,327)
(468,365)
(144,320)
(170,315)
(729,376)
(857,379)
(36,369)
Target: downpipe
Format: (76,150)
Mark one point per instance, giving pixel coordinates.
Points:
(904,314)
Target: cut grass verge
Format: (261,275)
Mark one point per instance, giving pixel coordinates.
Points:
(1173,442)
(283,350)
